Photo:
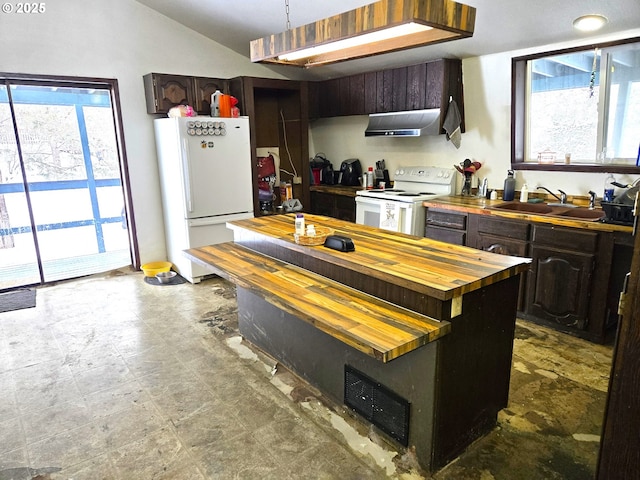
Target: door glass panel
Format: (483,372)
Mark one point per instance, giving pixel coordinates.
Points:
(18,259)
(72,170)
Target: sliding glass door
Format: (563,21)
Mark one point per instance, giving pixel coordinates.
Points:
(62,208)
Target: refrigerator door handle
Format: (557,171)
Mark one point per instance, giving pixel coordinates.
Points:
(187,175)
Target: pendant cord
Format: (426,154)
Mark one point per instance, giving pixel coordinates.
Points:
(286,9)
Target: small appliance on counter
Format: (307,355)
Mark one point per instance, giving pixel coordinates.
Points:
(350,173)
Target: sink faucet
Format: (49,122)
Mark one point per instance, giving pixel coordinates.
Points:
(562,198)
(592,200)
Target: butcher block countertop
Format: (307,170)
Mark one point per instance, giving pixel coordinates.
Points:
(428,267)
(373,326)
(336,190)
(477,205)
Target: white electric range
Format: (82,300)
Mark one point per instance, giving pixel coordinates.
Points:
(400,209)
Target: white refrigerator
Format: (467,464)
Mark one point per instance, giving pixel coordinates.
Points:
(205,176)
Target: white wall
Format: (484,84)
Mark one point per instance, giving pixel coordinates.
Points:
(487,94)
(119,39)
(123,39)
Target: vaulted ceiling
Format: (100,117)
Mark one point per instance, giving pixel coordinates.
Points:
(501,25)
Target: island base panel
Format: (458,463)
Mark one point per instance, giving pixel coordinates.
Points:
(320,359)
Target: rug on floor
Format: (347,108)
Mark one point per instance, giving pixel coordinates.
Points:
(17,299)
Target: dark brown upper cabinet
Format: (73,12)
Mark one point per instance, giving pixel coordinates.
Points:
(165,91)
(426,85)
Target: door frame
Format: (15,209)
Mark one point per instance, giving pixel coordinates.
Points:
(111,84)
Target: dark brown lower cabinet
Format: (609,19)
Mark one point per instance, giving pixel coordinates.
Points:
(501,236)
(446,226)
(341,205)
(569,280)
(559,283)
(575,275)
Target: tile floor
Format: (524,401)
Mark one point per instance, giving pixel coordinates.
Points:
(112,378)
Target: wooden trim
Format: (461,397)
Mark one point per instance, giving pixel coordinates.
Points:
(518,115)
(449,19)
(618,458)
(112,85)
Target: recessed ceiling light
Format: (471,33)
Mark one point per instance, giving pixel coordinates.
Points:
(590,23)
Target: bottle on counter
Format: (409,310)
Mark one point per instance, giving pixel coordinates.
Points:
(369,178)
(299,224)
(524,193)
(608,188)
(215,103)
(509,187)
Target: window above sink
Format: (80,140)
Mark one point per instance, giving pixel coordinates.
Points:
(582,101)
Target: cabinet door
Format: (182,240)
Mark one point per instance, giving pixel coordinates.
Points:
(435,88)
(322,204)
(345,208)
(167,91)
(559,286)
(356,99)
(416,86)
(204,88)
(503,237)
(370,92)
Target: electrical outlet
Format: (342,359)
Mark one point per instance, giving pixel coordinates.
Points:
(297,180)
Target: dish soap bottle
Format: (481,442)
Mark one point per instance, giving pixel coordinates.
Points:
(509,187)
(608,188)
(524,194)
(299,225)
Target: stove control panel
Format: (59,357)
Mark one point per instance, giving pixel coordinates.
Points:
(424,174)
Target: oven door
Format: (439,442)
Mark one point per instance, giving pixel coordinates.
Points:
(388,215)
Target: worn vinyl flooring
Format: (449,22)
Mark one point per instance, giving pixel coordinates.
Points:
(109,377)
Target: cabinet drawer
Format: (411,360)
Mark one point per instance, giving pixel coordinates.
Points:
(457,237)
(565,238)
(503,228)
(446,219)
(502,245)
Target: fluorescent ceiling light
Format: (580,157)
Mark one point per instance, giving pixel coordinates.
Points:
(590,23)
(381,27)
(378,36)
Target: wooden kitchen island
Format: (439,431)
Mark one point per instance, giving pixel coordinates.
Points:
(415,335)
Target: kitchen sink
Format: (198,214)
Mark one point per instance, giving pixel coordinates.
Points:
(578,213)
(582,213)
(537,208)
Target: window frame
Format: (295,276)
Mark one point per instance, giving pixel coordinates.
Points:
(519,114)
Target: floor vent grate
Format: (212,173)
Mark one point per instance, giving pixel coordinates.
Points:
(382,407)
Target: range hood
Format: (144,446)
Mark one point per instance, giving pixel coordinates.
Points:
(413,123)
